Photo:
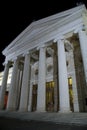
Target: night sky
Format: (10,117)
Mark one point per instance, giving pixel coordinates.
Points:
(16,16)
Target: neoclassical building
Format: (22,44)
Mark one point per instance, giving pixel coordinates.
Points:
(49,61)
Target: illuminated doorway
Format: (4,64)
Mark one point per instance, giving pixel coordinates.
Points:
(50,96)
(70,93)
(34,97)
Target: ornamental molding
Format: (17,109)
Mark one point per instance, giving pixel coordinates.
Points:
(50,51)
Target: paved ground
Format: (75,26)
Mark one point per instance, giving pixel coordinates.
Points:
(79,119)
(16,124)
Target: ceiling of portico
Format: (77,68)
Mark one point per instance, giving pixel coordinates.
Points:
(73,42)
(49,52)
(74,39)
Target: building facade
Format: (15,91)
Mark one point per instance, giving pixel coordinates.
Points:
(49,65)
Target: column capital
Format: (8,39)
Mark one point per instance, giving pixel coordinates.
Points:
(41,46)
(57,38)
(14,59)
(26,53)
(6,62)
(78,29)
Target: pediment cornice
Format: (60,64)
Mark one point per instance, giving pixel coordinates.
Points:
(35,34)
(46,38)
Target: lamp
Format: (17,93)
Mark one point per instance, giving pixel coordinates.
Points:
(70,81)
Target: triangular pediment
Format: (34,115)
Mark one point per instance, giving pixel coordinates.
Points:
(36,28)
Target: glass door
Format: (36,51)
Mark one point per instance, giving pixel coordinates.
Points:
(50,96)
(34,97)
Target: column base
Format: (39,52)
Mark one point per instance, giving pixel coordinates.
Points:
(10,109)
(76,107)
(29,108)
(64,111)
(1,107)
(23,110)
(40,110)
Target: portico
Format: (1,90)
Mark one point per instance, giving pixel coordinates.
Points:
(49,65)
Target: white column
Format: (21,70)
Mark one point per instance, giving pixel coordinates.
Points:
(64,105)
(18,89)
(25,85)
(4,84)
(11,104)
(30,97)
(74,85)
(41,98)
(83,45)
(31,88)
(75,94)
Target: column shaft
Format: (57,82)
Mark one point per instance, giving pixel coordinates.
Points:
(18,89)
(64,105)
(11,104)
(25,85)
(83,45)
(30,98)
(74,85)
(30,92)
(4,84)
(41,98)
(55,78)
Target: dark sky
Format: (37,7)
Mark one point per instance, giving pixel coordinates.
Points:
(16,16)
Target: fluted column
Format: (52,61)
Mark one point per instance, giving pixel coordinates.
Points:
(41,98)
(64,105)
(18,88)
(25,85)
(19,84)
(55,78)
(31,88)
(74,85)
(83,45)
(4,84)
(11,104)
(30,97)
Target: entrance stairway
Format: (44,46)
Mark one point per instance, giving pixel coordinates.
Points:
(58,118)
